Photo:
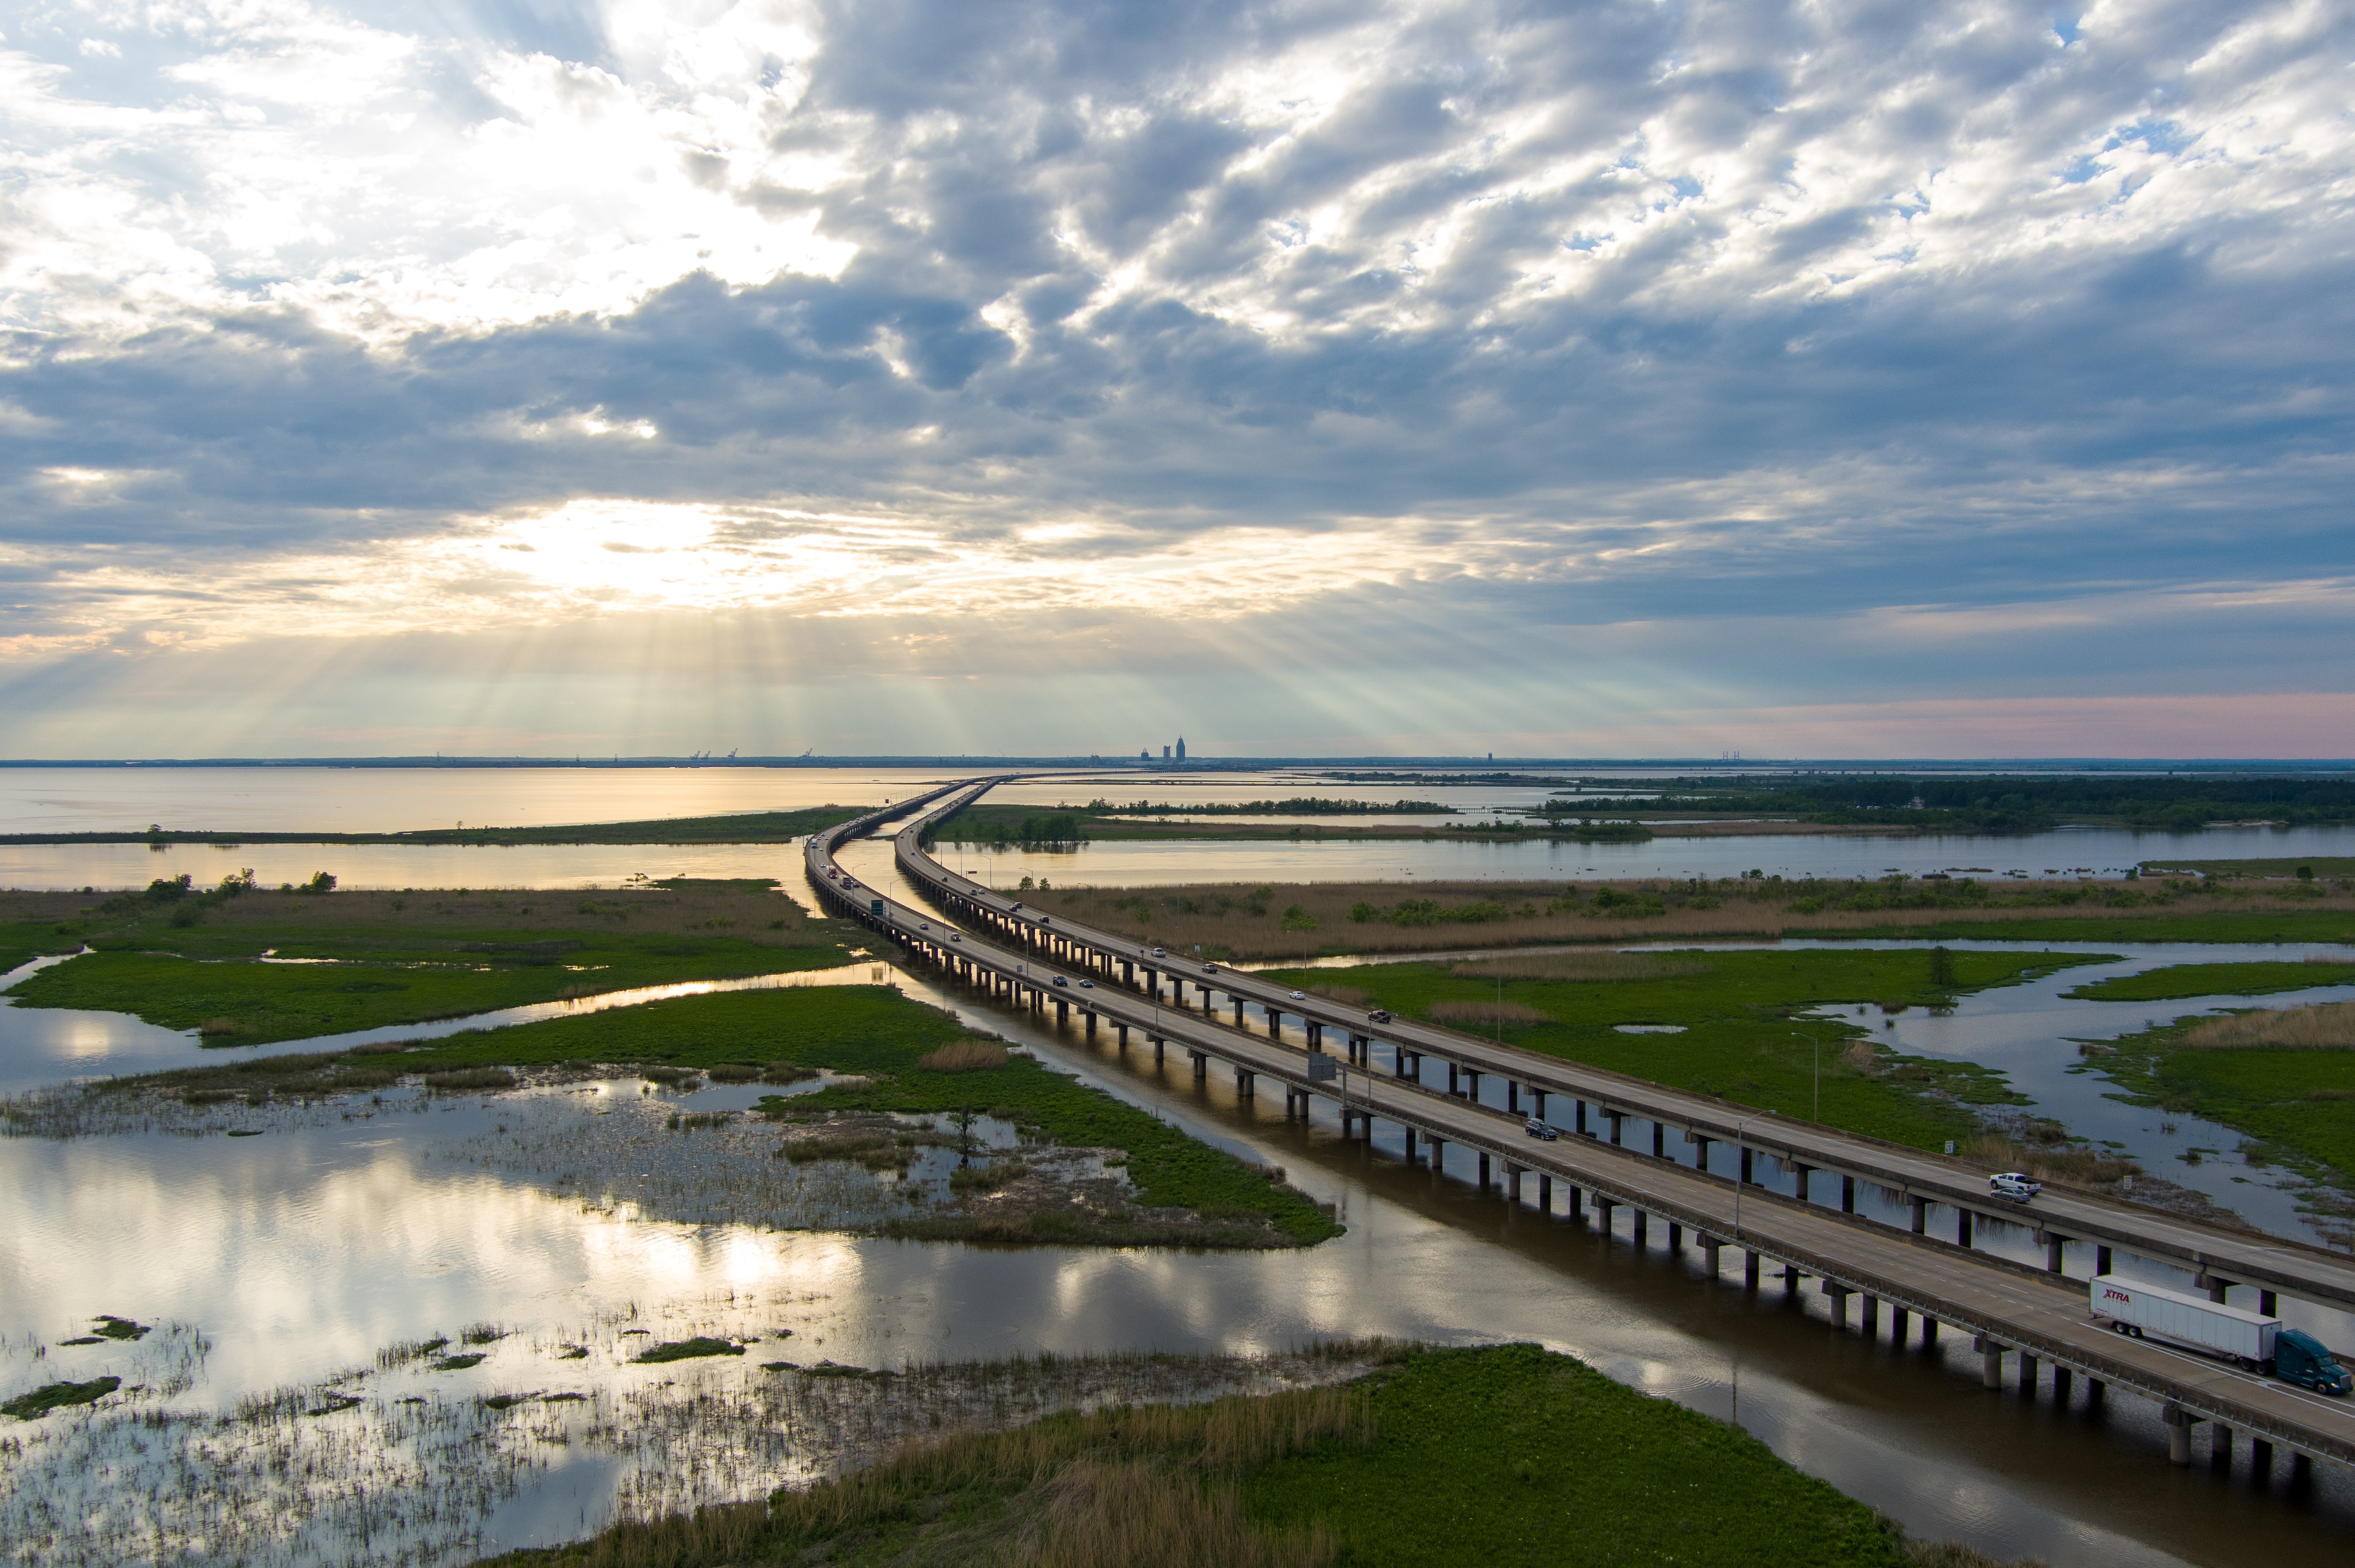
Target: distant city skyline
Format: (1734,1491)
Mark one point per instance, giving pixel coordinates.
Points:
(1415,377)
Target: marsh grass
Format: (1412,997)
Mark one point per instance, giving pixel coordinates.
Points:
(1590,967)
(1483,1013)
(2328,1026)
(1245,921)
(963,1056)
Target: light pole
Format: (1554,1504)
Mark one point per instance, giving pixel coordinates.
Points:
(1738,1150)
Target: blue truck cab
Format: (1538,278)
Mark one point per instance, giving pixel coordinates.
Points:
(2299,1358)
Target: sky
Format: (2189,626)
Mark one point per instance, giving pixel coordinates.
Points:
(1627,378)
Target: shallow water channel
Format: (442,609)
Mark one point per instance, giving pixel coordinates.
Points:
(272,1264)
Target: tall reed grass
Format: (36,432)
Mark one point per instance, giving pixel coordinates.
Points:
(2330,1026)
(1593,965)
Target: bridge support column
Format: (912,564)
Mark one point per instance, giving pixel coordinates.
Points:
(1513,1184)
(1579,1118)
(1790,1279)
(2179,1435)
(1701,1150)
(2059,1384)
(1454,1085)
(1618,1120)
(1159,1045)
(1472,1084)
(1410,1145)
(1847,1194)
(1484,1172)
(1536,1103)
(1963,1228)
(1710,1249)
(1239,1010)
(1749,1270)
(2261,1458)
(1990,1363)
(1122,1030)
(1092,1023)
(1243,1084)
(1867,1316)
(1743,1175)
(1839,1294)
(1577,1202)
(1438,1158)
(2217,1286)
(1602,1207)
(1274,1023)
(1659,1141)
(1512,1096)
(2027,1375)
(1545,1193)
(1062,1012)
(1929,1329)
(1897,1316)
(1639,1227)
(1315,1034)
(1919,1215)
(1676,1236)
(2053,1257)
(1201,1065)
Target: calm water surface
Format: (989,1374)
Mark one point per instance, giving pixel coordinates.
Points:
(303,1252)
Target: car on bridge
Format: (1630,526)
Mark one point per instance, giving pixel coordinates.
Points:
(1161,953)
(1087,984)
(1378,1016)
(2015,1186)
(1209,968)
(1538,1129)
(1061,981)
(1299,996)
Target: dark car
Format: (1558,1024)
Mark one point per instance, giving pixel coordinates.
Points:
(1378,1016)
(1209,968)
(1045,920)
(1087,984)
(1538,1129)
(1061,981)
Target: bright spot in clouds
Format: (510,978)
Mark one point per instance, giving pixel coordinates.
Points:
(1631,366)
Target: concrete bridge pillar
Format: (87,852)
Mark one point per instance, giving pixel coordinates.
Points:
(1122,1030)
(1410,1145)
(1847,1194)
(1089,1014)
(1577,1202)
(1438,1158)
(1800,1174)
(2268,1303)
(1897,1325)
(2215,1284)
(1239,1010)
(1963,1228)
(1919,1217)
(1641,1227)
(1513,1183)
(1201,1065)
(1676,1236)
(2027,1375)
(1929,1329)
(1701,1150)
(1869,1317)
(1454,1086)
(2178,1434)
(1536,1103)
(1274,1024)
(1711,1246)
(2101,1258)
(1243,1084)
(1659,1141)
(2220,1444)
(2054,1243)
(1578,1118)
(1158,1046)
(1127,973)
(1839,1294)
(1617,1119)
(1545,1193)
(1062,1012)
(1316,1031)
(1513,1097)
(1990,1363)
(1484,1172)
(1749,1270)
(1602,1207)
(1743,1178)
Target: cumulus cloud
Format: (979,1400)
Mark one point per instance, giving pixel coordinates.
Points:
(1847,330)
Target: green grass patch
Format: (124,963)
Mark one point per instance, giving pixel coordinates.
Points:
(1741,1042)
(1508,1454)
(687,1350)
(59,1396)
(2177,982)
(377,960)
(2318,866)
(2298,1105)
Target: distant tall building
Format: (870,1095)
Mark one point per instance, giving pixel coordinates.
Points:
(1181,748)
(1165,753)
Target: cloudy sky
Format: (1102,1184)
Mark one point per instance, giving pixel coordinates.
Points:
(1641,377)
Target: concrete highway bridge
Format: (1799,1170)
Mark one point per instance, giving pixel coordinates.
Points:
(1719,1177)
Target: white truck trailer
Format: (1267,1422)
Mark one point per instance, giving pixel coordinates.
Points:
(2180,1317)
(2249,1338)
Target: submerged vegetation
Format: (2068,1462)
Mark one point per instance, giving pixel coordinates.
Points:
(245,967)
(2284,1078)
(1532,1453)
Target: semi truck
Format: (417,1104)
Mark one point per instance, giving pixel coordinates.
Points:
(2248,1339)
